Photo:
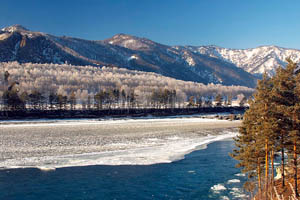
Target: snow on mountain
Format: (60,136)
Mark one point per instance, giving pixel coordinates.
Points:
(188,58)
(255,61)
(133,57)
(130,42)
(125,51)
(183,62)
(19,29)
(14,28)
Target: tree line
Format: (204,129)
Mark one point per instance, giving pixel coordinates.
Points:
(270,128)
(13,99)
(52,86)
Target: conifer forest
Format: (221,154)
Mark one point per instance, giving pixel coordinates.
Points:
(269,132)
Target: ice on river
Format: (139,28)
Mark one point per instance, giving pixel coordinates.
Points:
(110,142)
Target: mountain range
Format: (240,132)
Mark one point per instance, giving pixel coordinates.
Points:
(205,64)
(255,60)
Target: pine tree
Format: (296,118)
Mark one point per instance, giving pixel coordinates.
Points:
(292,112)
(280,92)
(263,101)
(249,148)
(286,94)
(258,125)
(273,122)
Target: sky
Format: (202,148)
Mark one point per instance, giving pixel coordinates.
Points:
(226,23)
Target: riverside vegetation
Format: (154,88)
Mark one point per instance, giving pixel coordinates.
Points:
(270,128)
(42,88)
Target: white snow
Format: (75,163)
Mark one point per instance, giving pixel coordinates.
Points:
(15,51)
(133,57)
(72,123)
(133,44)
(190,61)
(255,60)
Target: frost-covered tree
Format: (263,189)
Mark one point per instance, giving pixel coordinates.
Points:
(64,79)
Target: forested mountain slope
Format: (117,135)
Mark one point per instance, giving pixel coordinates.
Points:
(124,51)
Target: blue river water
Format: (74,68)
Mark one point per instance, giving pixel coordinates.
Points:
(203,174)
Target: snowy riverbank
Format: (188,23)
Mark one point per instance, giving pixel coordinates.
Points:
(65,143)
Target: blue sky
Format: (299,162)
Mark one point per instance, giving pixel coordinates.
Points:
(226,23)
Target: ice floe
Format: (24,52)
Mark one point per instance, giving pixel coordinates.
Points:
(164,152)
(233,181)
(218,188)
(69,144)
(240,174)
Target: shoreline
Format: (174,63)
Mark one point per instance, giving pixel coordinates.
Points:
(115,142)
(221,116)
(115,113)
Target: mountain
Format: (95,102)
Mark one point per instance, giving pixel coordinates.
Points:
(20,44)
(181,62)
(255,60)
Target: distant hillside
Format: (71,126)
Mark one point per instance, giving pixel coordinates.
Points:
(125,51)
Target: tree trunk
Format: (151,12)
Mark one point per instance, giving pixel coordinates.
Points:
(295,168)
(259,179)
(295,155)
(272,165)
(267,169)
(272,176)
(282,168)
